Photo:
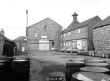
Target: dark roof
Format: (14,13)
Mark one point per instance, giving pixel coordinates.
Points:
(85,23)
(106,21)
(71,26)
(42,21)
(20,39)
(4,37)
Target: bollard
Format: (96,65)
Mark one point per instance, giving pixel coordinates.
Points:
(21,69)
(73,66)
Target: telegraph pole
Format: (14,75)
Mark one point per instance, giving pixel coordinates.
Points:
(26,21)
(26,30)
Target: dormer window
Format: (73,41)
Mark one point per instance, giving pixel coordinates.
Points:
(45,27)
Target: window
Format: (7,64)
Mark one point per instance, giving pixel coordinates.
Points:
(53,43)
(79,30)
(69,43)
(55,34)
(45,27)
(61,36)
(69,33)
(64,44)
(64,35)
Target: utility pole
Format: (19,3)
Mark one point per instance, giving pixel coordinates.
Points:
(26,30)
(26,21)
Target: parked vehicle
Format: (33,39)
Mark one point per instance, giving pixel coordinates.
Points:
(69,50)
(63,49)
(75,50)
(83,52)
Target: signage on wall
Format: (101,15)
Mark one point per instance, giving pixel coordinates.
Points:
(44,37)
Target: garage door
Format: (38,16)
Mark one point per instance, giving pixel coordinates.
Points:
(33,46)
(44,46)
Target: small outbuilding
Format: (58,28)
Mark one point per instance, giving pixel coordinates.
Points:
(21,43)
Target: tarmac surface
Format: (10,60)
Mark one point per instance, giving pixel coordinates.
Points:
(42,64)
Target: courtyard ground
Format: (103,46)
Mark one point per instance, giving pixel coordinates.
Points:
(44,63)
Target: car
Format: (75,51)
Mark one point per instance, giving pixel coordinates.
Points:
(63,49)
(69,50)
(75,50)
(83,52)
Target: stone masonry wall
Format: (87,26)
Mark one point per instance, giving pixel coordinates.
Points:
(101,39)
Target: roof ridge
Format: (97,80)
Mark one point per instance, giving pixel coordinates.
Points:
(105,21)
(42,21)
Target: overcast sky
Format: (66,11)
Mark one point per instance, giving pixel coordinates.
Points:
(13,12)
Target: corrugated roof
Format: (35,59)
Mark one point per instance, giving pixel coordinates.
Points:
(106,21)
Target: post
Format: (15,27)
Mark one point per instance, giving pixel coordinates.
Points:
(26,21)
(26,30)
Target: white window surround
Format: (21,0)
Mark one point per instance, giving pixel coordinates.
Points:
(69,43)
(79,30)
(64,35)
(64,43)
(69,33)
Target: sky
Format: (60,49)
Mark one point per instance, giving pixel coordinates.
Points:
(13,13)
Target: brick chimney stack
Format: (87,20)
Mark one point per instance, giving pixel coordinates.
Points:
(75,17)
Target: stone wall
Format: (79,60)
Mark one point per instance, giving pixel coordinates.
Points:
(101,40)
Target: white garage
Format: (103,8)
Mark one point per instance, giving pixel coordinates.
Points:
(43,45)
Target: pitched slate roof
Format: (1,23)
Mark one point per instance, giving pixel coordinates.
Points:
(85,23)
(42,21)
(4,37)
(20,39)
(70,27)
(106,21)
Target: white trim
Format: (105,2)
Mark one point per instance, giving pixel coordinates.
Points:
(45,41)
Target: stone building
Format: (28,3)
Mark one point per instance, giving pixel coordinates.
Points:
(21,43)
(80,35)
(66,40)
(101,34)
(44,35)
